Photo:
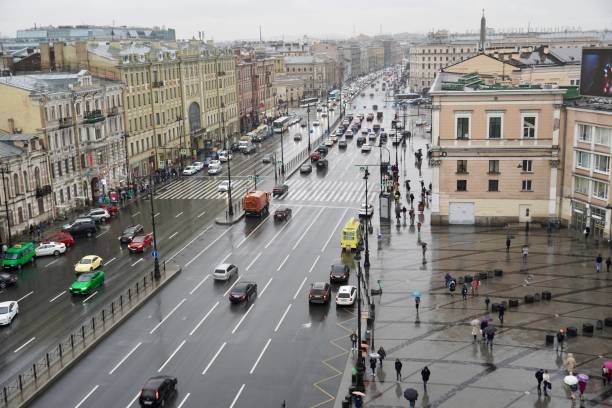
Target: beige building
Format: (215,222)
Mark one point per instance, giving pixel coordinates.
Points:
(318,73)
(496,151)
(289,89)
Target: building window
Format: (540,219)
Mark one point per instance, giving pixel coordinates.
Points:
(527,166)
(526,185)
(493,185)
(462,166)
(581,185)
(462,124)
(583,159)
(601,163)
(494,166)
(603,136)
(529,126)
(584,133)
(600,190)
(461,185)
(494,129)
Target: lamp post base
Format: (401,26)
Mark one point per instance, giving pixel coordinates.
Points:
(156,272)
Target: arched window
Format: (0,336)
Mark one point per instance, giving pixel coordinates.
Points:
(25,181)
(16,184)
(194,117)
(37,177)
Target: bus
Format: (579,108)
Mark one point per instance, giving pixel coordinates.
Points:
(334,95)
(350,236)
(306,102)
(281,124)
(407,96)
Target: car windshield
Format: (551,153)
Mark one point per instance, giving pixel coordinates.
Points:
(221,271)
(3,310)
(317,291)
(85,277)
(130,230)
(148,393)
(337,268)
(85,261)
(12,255)
(344,295)
(139,238)
(239,288)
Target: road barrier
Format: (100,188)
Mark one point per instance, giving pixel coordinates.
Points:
(33,380)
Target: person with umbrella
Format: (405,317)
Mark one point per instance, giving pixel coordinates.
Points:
(411,395)
(358,398)
(547,383)
(425,373)
(490,332)
(398,370)
(582,383)
(475,323)
(381,355)
(417,300)
(606,372)
(501,312)
(539,375)
(373,364)
(483,325)
(572,382)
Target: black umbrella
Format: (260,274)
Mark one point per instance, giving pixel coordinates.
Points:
(490,330)
(411,394)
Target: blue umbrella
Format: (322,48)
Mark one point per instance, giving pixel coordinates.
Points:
(416,294)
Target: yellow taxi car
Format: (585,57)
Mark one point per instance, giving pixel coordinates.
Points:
(88,263)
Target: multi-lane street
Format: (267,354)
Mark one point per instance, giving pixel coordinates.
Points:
(272,349)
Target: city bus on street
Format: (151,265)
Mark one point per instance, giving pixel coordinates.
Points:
(334,95)
(306,102)
(281,124)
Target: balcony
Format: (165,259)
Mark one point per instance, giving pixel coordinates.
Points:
(93,116)
(114,111)
(65,123)
(43,191)
(158,84)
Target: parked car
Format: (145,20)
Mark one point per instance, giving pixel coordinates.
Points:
(267,158)
(87,264)
(81,226)
(198,165)
(314,156)
(7,279)
(225,272)
(189,171)
(18,255)
(366,148)
(130,232)
(8,311)
(297,137)
(320,292)
(346,295)
(141,242)
(157,390)
(87,282)
(50,248)
(112,209)
(63,237)
(243,292)
(323,149)
(98,215)
(316,123)
(329,143)
(339,273)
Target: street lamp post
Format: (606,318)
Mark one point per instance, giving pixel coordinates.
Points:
(230,207)
(308,129)
(156,272)
(282,147)
(366,262)
(3,170)
(359,364)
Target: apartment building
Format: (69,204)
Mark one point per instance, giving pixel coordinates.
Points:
(496,151)
(318,73)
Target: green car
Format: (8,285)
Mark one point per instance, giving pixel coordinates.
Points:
(87,282)
(19,255)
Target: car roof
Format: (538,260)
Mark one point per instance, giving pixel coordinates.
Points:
(223,266)
(7,303)
(319,285)
(156,381)
(345,288)
(90,256)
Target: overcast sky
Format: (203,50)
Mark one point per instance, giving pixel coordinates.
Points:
(240,19)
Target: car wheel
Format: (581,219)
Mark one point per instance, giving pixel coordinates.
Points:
(56,252)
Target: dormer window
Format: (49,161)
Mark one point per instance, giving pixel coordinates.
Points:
(126,59)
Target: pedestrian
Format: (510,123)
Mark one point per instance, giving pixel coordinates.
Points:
(404,210)
(487,301)
(425,373)
(582,386)
(490,336)
(475,286)
(570,364)
(549,229)
(31,231)
(411,214)
(353,338)
(398,370)
(475,332)
(373,366)
(501,312)
(382,354)
(525,252)
(451,287)
(38,229)
(4,249)
(429,186)
(407,184)
(447,279)
(419,227)
(464,291)
(422,185)
(539,375)
(573,388)
(508,242)
(411,200)
(417,302)
(598,262)
(424,244)
(608,263)
(547,383)
(560,340)
(358,399)
(586,233)
(483,325)
(605,375)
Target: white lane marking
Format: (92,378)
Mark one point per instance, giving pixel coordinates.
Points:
(178,215)
(199,284)
(253,261)
(156,214)
(242,318)
(55,298)
(201,214)
(297,292)
(136,213)
(51,263)
(167,316)
(124,358)
(260,356)
(87,396)
(214,358)
(24,344)
(100,234)
(265,287)
(208,246)
(252,232)
(233,284)
(184,399)
(190,242)
(173,235)
(226,256)
(133,400)
(107,262)
(308,229)
(137,262)
(25,296)
(282,229)
(172,355)
(313,264)
(202,321)
(334,230)
(282,318)
(237,396)
(282,263)
(90,296)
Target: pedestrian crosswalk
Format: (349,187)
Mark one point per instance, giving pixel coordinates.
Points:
(193,188)
(325,191)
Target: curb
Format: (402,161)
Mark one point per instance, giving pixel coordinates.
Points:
(229,221)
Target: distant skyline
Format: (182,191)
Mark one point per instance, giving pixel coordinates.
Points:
(240,19)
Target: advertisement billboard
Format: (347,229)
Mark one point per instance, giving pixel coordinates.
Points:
(596,72)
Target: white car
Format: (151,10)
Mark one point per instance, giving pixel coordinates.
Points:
(214,169)
(329,143)
(8,311)
(198,165)
(346,295)
(366,148)
(50,248)
(214,163)
(225,271)
(189,171)
(363,212)
(224,186)
(99,215)
(315,123)
(225,156)
(334,138)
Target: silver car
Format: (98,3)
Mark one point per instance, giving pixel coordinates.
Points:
(225,271)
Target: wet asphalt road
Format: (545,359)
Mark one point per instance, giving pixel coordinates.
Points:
(274,348)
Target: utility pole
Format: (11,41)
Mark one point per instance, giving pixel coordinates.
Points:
(3,170)
(230,209)
(156,272)
(308,114)
(359,364)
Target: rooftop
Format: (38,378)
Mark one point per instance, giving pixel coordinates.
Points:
(306,59)
(591,103)
(474,82)
(51,82)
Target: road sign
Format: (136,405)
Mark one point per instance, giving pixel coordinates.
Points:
(362,168)
(257,178)
(154,254)
(184,151)
(279,162)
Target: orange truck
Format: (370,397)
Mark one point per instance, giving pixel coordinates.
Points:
(256,203)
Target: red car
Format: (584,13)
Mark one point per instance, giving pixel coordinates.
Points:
(315,156)
(63,237)
(140,242)
(112,209)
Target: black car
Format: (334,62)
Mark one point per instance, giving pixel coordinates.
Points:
(342,144)
(243,292)
(339,273)
(297,137)
(7,279)
(320,292)
(361,140)
(267,158)
(130,232)
(235,147)
(306,168)
(81,226)
(157,390)
(322,149)
(322,164)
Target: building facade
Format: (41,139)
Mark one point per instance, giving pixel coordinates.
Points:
(318,74)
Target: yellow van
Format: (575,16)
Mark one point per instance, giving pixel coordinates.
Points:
(351,234)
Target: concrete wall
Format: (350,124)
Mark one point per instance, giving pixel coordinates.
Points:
(23,110)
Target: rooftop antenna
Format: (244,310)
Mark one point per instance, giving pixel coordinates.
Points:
(260,34)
